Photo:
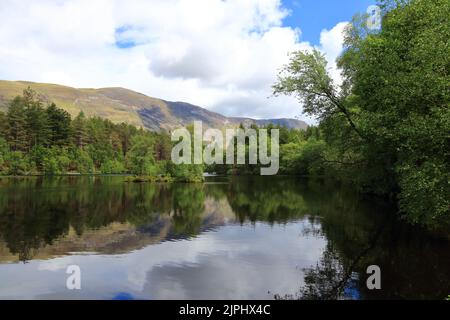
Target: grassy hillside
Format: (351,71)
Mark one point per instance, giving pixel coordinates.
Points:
(123,105)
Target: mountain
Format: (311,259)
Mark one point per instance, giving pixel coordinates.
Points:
(123,105)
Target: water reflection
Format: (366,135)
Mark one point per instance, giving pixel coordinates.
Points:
(259,237)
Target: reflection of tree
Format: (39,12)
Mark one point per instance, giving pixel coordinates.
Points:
(36,212)
(282,199)
(260,199)
(188,206)
(414,263)
(323,282)
(333,276)
(29,226)
(351,227)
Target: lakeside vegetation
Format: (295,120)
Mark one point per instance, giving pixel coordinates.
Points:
(44,140)
(36,139)
(387,126)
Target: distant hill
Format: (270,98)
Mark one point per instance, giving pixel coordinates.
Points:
(123,105)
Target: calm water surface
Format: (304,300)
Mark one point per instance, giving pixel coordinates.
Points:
(230,238)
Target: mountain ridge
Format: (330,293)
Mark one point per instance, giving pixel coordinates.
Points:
(124,105)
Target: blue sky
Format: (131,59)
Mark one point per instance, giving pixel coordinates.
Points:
(312,16)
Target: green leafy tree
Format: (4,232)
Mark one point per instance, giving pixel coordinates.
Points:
(37,125)
(4,154)
(3,125)
(16,125)
(81,161)
(18,163)
(56,161)
(389,122)
(60,125)
(79,137)
(140,158)
(112,167)
(163,146)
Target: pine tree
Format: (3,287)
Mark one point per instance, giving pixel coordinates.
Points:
(126,132)
(163,146)
(16,132)
(60,125)
(37,124)
(79,130)
(3,125)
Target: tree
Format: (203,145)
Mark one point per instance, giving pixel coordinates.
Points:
(163,146)
(81,161)
(307,78)
(59,123)
(140,159)
(4,155)
(3,125)
(125,133)
(37,125)
(18,163)
(402,91)
(16,125)
(79,130)
(56,161)
(390,119)
(112,167)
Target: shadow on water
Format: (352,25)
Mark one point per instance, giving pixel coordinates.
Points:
(53,214)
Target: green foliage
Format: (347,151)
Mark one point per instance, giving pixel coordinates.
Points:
(305,76)
(301,153)
(162,147)
(16,133)
(387,127)
(37,124)
(39,140)
(186,172)
(140,159)
(13,162)
(82,162)
(112,166)
(4,154)
(79,137)
(59,122)
(304,158)
(17,163)
(425,195)
(3,124)
(56,161)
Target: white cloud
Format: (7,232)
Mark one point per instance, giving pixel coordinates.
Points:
(331,43)
(222,55)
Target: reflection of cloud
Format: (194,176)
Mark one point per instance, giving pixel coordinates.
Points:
(54,264)
(184,252)
(259,260)
(231,262)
